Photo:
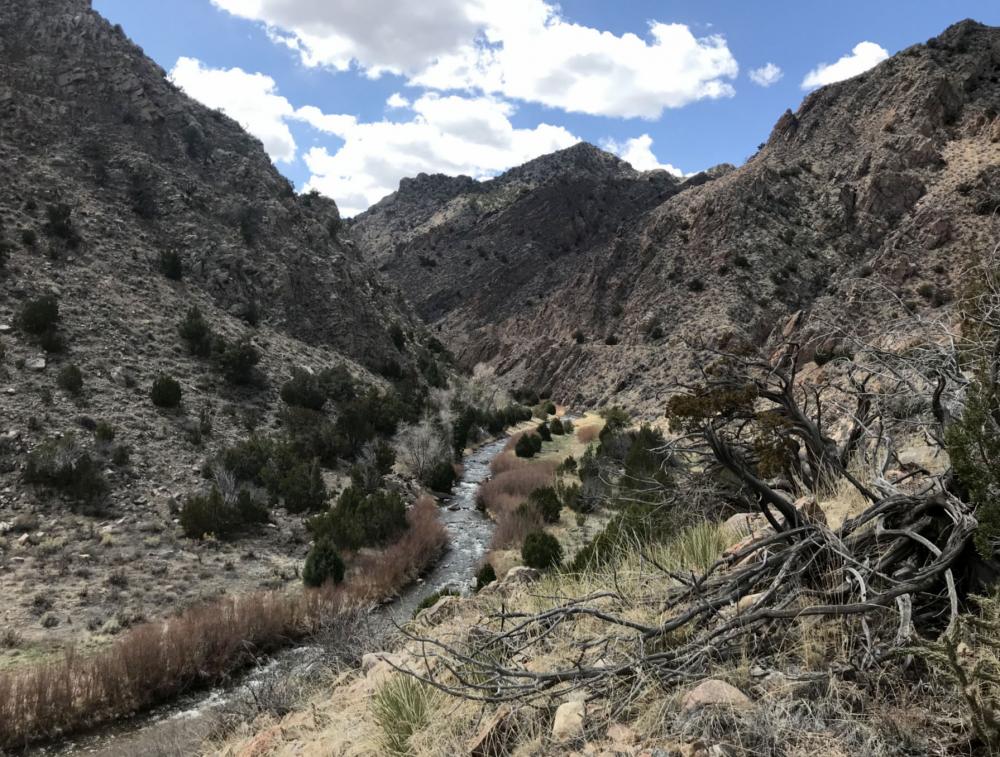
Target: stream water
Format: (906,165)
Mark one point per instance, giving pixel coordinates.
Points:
(179,727)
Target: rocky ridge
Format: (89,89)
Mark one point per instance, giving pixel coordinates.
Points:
(589,282)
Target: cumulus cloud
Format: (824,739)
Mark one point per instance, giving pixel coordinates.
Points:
(864,56)
(521,49)
(396,100)
(638,152)
(444,134)
(250,99)
(766,75)
(452,135)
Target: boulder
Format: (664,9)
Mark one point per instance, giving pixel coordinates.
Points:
(35,364)
(440,611)
(714,693)
(745,524)
(519,576)
(568,722)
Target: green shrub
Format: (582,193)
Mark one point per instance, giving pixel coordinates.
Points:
(543,432)
(556,427)
(611,339)
(536,442)
(546,502)
(171,265)
(120,455)
(249,219)
(304,389)
(441,477)
(60,225)
(303,488)
(337,383)
(142,193)
(52,341)
(541,551)
(70,379)
(485,576)
(29,237)
(64,465)
(322,564)
(567,466)
(212,515)
(196,332)
(238,360)
(39,315)
(524,446)
(361,519)
(401,706)
(567,425)
(166,392)
(397,336)
(579,337)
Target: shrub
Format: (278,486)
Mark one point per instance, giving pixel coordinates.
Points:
(213,515)
(120,455)
(397,336)
(485,576)
(579,337)
(249,219)
(543,432)
(546,502)
(70,379)
(322,564)
(39,315)
(441,477)
(556,427)
(142,193)
(361,519)
(63,464)
(696,285)
(611,339)
(567,425)
(303,389)
(171,265)
(29,237)
(194,330)
(238,361)
(60,225)
(338,383)
(541,551)
(52,341)
(166,392)
(402,706)
(303,488)
(524,446)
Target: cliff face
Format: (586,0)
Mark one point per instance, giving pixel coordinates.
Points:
(890,176)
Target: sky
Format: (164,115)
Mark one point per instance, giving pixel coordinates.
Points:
(350,96)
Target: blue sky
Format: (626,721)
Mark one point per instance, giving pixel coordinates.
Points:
(480,85)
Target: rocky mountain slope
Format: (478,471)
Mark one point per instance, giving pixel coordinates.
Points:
(577,275)
(128,203)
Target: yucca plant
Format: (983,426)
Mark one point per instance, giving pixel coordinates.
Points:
(402,706)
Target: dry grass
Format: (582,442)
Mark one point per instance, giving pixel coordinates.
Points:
(503,495)
(587,434)
(156,661)
(507,461)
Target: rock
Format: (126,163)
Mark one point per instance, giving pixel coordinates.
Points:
(621,734)
(714,693)
(35,364)
(568,722)
(439,611)
(995,131)
(490,738)
(745,524)
(520,576)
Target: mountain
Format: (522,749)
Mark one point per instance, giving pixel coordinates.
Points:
(888,177)
(128,203)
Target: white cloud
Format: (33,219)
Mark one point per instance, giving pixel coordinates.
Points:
(396,100)
(638,152)
(445,134)
(452,135)
(250,99)
(766,75)
(519,49)
(864,56)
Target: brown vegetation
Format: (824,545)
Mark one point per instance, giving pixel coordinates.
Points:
(200,646)
(513,481)
(587,434)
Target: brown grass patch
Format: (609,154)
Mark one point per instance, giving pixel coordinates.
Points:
(507,461)
(587,434)
(503,494)
(201,646)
